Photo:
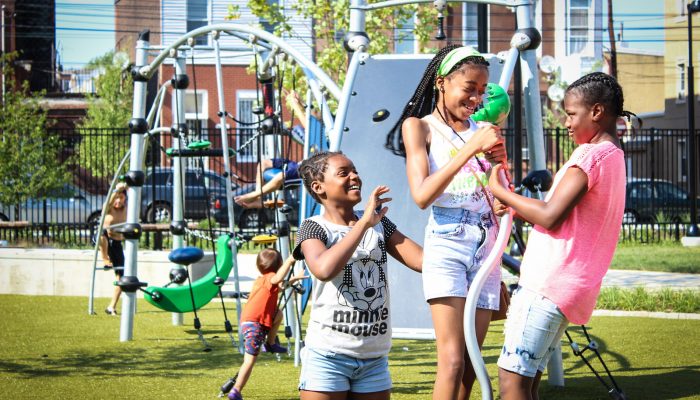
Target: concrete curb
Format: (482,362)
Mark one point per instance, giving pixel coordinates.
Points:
(644,314)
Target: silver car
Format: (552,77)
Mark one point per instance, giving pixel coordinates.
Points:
(71,205)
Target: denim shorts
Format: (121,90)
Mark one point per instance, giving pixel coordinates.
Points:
(325,371)
(254,335)
(532,331)
(456,243)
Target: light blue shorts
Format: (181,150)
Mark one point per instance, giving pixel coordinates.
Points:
(325,371)
(532,331)
(456,243)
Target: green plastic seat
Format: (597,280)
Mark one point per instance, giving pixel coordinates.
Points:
(177,298)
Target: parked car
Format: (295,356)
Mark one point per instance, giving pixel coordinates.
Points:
(69,205)
(646,200)
(254,218)
(201,189)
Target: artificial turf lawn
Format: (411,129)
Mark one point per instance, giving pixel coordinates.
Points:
(663,257)
(51,348)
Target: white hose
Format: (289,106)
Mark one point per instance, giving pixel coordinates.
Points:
(491,262)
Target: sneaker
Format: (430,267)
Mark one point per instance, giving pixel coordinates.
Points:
(234,394)
(110,311)
(274,348)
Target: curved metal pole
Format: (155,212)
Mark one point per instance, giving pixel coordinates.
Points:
(396,3)
(336,136)
(491,262)
(91,300)
(148,70)
(229,191)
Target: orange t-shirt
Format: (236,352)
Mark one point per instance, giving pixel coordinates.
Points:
(262,301)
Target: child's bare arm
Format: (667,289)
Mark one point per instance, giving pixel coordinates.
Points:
(552,213)
(325,263)
(282,271)
(406,251)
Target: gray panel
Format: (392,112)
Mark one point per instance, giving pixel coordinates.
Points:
(388,82)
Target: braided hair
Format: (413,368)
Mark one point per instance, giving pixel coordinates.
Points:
(313,168)
(598,87)
(425,96)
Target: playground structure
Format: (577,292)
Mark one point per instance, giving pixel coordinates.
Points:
(358,128)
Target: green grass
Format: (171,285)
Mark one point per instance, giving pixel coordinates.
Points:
(51,348)
(639,299)
(665,257)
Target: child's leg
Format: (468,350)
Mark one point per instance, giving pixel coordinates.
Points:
(309,395)
(483,319)
(245,371)
(514,386)
(385,395)
(448,317)
(533,328)
(272,334)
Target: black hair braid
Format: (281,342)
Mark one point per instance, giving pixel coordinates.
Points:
(598,87)
(425,97)
(313,168)
(421,103)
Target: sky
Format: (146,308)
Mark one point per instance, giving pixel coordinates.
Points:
(85,28)
(643,22)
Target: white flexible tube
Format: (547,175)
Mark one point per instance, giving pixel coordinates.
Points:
(491,262)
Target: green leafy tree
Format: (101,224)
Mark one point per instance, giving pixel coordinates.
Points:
(109,108)
(331,22)
(31,164)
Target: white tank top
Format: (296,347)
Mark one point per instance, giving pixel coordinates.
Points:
(463,191)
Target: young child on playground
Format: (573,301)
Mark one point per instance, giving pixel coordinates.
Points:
(447,172)
(111,242)
(349,331)
(261,318)
(575,231)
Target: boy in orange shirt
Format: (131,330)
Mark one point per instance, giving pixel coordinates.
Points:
(261,317)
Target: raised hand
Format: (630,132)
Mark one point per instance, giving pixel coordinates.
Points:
(374,211)
(487,136)
(497,154)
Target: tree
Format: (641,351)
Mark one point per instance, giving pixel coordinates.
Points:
(331,22)
(109,108)
(31,164)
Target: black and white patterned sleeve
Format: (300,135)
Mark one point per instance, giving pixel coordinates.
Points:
(309,229)
(389,228)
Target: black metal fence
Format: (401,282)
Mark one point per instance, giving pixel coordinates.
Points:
(658,206)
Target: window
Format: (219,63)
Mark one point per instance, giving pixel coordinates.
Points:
(197,17)
(680,82)
(245,101)
(578,23)
(404,38)
(196,112)
(196,119)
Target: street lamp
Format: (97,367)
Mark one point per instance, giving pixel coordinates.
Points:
(693,6)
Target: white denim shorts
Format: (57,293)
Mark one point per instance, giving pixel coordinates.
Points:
(456,243)
(532,331)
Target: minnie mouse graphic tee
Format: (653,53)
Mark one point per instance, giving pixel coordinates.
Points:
(350,314)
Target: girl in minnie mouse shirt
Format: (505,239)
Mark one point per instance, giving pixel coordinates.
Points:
(349,333)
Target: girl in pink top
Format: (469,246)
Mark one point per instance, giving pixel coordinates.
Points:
(575,231)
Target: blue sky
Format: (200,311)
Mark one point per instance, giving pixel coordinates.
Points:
(85,28)
(643,26)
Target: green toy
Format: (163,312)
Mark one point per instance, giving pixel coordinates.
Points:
(199,145)
(177,298)
(496,107)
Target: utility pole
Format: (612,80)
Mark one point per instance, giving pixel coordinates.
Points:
(611,35)
(2,34)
